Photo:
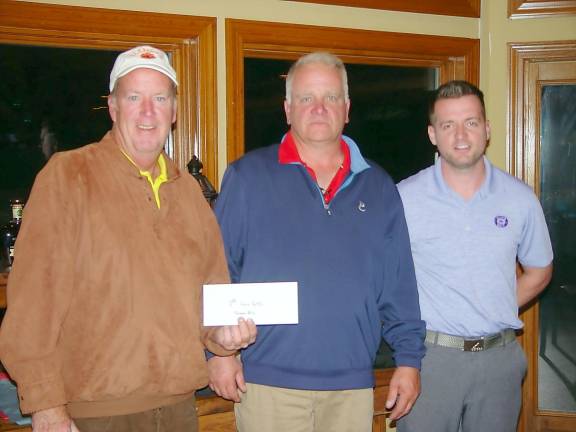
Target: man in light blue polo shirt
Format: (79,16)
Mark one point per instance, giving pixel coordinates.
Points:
(469,224)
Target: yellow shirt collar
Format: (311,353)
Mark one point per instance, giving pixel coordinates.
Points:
(155,183)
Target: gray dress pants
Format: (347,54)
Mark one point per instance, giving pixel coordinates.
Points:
(468,391)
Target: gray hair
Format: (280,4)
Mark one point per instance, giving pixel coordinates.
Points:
(321,57)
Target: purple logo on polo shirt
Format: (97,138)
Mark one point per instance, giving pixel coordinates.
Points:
(501,221)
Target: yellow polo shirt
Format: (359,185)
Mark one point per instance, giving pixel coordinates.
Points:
(155,183)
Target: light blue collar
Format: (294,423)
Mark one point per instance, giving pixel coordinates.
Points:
(357,161)
(440,185)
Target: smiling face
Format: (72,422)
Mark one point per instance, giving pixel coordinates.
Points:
(143,109)
(460,132)
(318,109)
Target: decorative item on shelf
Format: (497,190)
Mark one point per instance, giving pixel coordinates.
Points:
(9,233)
(195,168)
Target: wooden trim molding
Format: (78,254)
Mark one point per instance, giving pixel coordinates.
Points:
(465,8)
(540,8)
(190,40)
(533,65)
(523,123)
(454,57)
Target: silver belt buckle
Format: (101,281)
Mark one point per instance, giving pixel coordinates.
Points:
(474,345)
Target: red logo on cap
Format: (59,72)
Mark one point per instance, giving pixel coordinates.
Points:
(148,55)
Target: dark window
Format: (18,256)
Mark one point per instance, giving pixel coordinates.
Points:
(51,99)
(388,113)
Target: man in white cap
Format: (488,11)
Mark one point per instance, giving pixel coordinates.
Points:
(103,329)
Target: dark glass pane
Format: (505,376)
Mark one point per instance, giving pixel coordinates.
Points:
(388,114)
(264,89)
(51,99)
(388,118)
(557,361)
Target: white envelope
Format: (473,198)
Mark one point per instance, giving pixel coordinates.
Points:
(264,303)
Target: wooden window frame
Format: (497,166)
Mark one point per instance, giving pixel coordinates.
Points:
(190,40)
(529,71)
(456,58)
(540,8)
(465,8)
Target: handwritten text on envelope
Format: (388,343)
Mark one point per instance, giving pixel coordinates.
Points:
(264,303)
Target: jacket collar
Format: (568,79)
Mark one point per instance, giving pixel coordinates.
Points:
(357,161)
(120,162)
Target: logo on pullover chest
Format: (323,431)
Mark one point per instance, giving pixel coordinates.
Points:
(501,221)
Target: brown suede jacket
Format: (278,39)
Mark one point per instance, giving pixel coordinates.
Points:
(105,295)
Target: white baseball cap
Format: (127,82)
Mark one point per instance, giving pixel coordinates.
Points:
(141,57)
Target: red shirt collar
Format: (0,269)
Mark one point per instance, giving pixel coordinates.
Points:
(288,153)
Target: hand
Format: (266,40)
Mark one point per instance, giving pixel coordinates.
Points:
(53,420)
(237,336)
(226,377)
(404,390)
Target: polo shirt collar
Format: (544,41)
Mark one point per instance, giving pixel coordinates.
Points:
(357,161)
(439,185)
(288,154)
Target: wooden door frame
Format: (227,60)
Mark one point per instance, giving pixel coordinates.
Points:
(541,8)
(529,71)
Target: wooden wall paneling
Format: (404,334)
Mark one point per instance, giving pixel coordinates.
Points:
(222,422)
(381,387)
(216,414)
(379,424)
(540,8)
(454,57)
(465,8)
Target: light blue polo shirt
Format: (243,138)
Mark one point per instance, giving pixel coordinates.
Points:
(465,251)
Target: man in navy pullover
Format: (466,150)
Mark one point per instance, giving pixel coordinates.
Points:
(314,211)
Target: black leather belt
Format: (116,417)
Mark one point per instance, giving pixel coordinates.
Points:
(470,344)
